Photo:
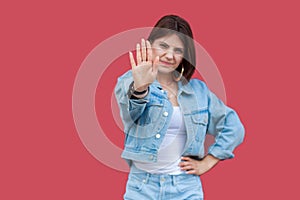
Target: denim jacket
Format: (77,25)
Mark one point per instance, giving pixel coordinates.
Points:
(146,120)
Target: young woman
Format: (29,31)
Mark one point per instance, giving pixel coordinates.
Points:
(166,116)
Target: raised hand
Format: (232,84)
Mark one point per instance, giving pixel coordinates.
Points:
(144,71)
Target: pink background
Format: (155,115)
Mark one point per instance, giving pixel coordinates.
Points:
(255,45)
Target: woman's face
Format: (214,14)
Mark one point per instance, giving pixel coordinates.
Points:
(170,50)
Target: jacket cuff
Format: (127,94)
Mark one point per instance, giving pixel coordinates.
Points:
(220,153)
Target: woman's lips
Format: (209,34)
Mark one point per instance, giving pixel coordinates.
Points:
(166,63)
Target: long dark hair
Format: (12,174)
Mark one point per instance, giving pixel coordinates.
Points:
(173,24)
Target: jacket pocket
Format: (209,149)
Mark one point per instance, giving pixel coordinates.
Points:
(152,112)
(189,184)
(199,123)
(135,182)
(200,117)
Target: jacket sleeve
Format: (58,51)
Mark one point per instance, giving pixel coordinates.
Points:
(130,109)
(226,126)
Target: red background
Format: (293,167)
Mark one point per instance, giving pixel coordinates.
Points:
(255,45)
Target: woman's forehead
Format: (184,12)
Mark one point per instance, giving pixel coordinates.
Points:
(172,40)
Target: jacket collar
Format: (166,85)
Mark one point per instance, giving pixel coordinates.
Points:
(187,88)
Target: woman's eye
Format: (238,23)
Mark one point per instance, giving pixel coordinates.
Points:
(178,51)
(162,45)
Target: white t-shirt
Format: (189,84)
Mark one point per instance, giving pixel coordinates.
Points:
(171,149)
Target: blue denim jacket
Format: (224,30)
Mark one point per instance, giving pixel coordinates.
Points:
(146,120)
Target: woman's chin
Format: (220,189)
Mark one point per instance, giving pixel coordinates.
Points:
(165,69)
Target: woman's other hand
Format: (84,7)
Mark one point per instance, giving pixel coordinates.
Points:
(198,167)
(144,71)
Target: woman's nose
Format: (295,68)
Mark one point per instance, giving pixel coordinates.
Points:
(169,54)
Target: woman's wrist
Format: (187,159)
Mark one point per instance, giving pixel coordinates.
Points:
(210,161)
(140,96)
(140,89)
(139,93)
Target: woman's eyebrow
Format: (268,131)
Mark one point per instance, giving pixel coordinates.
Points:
(178,48)
(163,42)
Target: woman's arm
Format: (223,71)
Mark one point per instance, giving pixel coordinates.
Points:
(130,108)
(228,130)
(143,73)
(225,125)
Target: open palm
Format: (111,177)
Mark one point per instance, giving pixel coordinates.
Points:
(144,70)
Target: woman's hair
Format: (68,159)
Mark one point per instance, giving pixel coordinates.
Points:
(172,24)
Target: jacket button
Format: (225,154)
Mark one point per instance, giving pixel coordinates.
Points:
(151,157)
(165,114)
(157,135)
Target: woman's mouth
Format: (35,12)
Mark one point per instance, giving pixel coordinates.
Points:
(166,63)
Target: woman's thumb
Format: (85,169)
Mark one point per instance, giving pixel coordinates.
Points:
(155,64)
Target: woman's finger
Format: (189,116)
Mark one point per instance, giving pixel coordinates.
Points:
(187,167)
(132,61)
(138,54)
(144,52)
(149,51)
(191,172)
(186,158)
(183,164)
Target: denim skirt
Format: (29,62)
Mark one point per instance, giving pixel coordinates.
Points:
(142,185)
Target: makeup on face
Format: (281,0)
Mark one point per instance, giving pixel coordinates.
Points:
(170,49)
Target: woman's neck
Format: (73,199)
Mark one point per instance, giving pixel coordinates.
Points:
(165,79)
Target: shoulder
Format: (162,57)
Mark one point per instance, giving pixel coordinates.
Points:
(198,84)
